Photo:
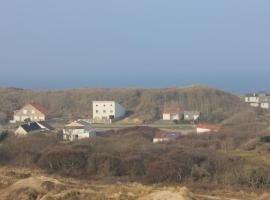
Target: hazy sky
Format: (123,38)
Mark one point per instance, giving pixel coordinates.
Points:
(140,43)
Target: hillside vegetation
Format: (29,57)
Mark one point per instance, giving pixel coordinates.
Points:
(143,104)
(233,158)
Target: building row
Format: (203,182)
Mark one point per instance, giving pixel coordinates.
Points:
(259,100)
(172,114)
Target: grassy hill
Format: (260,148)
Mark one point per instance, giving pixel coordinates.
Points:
(142,104)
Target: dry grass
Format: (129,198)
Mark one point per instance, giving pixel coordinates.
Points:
(32,184)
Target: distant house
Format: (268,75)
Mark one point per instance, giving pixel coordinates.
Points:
(191,115)
(170,114)
(163,136)
(33,127)
(107,111)
(261,99)
(32,112)
(78,130)
(207,128)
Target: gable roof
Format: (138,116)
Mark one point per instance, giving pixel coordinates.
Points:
(39,108)
(45,125)
(80,124)
(171,111)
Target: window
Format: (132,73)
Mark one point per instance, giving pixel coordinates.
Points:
(96,105)
(33,111)
(104,111)
(104,105)
(24,111)
(96,111)
(111,111)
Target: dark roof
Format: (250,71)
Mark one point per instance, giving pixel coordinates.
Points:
(257,94)
(168,135)
(30,127)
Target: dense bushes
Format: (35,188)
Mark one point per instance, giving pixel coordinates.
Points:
(130,153)
(66,160)
(265,139)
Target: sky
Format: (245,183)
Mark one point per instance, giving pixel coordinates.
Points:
(61,44)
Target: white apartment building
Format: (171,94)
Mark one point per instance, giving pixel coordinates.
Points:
(107,110)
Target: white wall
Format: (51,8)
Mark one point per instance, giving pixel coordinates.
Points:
(203,130)
(167,116)
(265,105)
(252,99)
(105,109)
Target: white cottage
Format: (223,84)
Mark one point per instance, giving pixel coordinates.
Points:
(170,114)
(78,130)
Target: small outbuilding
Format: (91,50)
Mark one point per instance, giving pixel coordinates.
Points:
(77,130)
(207,128)
(163,136)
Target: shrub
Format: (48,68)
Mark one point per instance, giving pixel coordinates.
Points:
(64,160)
(265,139)
(3,135)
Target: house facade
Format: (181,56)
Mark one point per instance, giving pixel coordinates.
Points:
(32,112)
(260,100)
(107,111)
(78,130)
(32,127)
(191,115)
(170,114)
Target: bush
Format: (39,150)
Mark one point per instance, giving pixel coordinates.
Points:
(265,139)
(65,160)
(3,135)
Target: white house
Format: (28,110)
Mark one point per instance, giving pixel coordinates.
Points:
(170,114)
(261,99)
(191,115)
(30,112)
(107,111)
(78,130)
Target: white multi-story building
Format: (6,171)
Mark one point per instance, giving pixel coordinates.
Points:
(261,100)
(107,110)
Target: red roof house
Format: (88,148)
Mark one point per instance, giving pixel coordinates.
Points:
(206,128)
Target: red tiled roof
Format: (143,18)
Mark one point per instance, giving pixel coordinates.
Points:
(40,108)
(209,126)
(171,111)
